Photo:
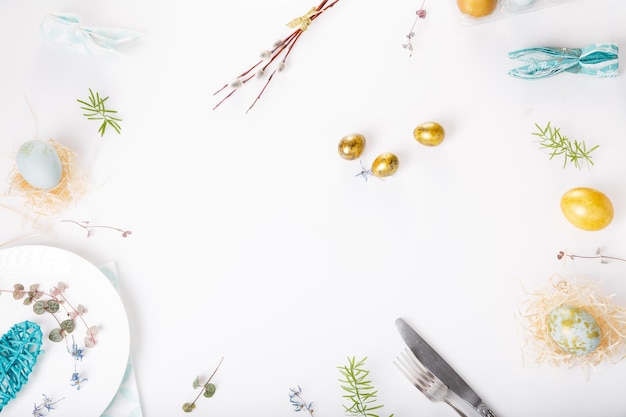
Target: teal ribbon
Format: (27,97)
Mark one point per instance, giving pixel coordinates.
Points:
(66,29)
(599,60)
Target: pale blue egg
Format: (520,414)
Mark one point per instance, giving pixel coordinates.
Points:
(39,163)
(574,329)
(521,3)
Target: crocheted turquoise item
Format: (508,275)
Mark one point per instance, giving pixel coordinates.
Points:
(19,348)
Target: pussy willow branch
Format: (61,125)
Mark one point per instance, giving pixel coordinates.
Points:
(283,48)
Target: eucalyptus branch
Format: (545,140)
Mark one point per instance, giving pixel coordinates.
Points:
(96,110)
(572,151)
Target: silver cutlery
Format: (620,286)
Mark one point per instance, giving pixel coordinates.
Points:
(424,380)
(431,360)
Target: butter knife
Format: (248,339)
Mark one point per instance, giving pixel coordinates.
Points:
(440,368)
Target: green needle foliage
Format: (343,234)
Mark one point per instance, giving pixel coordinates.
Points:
(96,110)
(572,151)
(360,392)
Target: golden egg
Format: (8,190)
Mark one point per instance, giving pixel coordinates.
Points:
(587,209)
(477,8)
(429,133)
(351,146)
(385,164)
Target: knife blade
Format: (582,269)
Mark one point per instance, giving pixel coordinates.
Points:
(440,368)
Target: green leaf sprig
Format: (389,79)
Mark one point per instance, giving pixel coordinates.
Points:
(572,151)
(207,389)
(96,110)
(361,394)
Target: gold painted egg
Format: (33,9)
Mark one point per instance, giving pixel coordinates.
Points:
(351,146)
(477,8)
(587,209)
(429,133)
(574,329)
(385,164)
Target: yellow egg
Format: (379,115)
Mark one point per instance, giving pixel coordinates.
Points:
(574,329)
(429,133)
(351,146)
(587,209)
(477,8)
(385,164)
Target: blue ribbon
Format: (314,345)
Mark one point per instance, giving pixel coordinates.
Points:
(66,29)
(599,60)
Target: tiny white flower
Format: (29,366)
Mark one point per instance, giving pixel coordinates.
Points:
(260,73)
(236,84)
(266,54)
(281,67)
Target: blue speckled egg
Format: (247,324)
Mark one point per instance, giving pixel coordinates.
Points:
(574,329)
(39,163)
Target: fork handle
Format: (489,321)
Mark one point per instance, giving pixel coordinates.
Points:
(456,408)
(484,410)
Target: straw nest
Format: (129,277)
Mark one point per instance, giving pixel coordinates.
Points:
(611,319)
(41,202)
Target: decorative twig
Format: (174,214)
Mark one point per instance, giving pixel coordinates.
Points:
(295,398)
(90,228)
(572,151)
(43,409)
(207,390)
(76,353)
(419,14)
(598,255)
(96,110)
(281,48)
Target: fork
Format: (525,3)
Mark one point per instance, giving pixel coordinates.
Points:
(424,380)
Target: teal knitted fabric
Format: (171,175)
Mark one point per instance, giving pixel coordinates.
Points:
(19,349)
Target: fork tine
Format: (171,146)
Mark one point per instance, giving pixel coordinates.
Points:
(424,380)
(417,375)
(416,366)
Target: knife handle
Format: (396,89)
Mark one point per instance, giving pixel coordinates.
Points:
(484,410)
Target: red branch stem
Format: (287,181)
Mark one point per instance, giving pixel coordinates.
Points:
(285,46)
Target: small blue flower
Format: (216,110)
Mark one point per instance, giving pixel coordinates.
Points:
(43,409)
(77,380)
(76,352)
(38,411)
(48,403)
(298,403)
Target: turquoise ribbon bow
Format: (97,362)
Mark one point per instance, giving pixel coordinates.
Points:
(66,29)
(598,59)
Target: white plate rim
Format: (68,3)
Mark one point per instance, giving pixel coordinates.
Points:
(90,402)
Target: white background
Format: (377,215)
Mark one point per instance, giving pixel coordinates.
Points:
(253,240)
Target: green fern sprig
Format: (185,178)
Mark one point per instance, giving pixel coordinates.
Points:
(96,110)
(360,392)
(572,151)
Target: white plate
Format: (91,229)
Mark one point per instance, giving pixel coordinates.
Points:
(103,365)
